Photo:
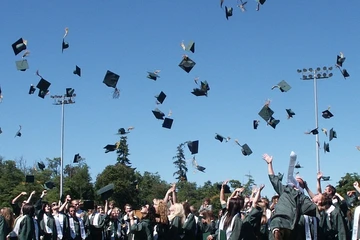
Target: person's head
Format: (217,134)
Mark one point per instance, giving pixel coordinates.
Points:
(8,215)
(111,204)
(100,209)
(72,211)
(330,190)
(193,209)
(75,203)
(127,208)
(275,199)
(206,201)
(115,212)
(162,211)
(54,207)
(319,199)
(176,210)
(186,207)
(265,201)
(327,200)
(236,204)
(28,209)
(46,207)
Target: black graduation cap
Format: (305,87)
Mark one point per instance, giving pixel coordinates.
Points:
(167,123)
(43,93)
(325,178)
(161,97)
(32,89)
(273,122)
(261,1)
(327,114)
(158,114)
(290,113)
(77,71)
(332,134)
(41,165)
(49,185)
(22,65)
(245,149)
(64,45)
(43,84)
(226,188)
(200,168)
(110,148)
(70,92)
(88,204)
(30,178)
(77,158)
(106,191)
(19,46)
(193,146)
(345,73)
(122,131)
(187,64)
(152,76)
(255,124)
(228,12)
(313,132)
(340,60)
(111,79)
(221,138)
(266,113)
(190,47)
(326,147)
(198,92)
(297,165)
(0,131)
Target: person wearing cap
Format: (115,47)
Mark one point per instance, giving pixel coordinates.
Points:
(292,203)
(143,230)
(76,225)
(6,222)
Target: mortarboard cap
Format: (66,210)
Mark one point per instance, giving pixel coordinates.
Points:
(18,133)
(122,131)
(22,65)
(190,47)
(245,149)
(290,113)
(64,45)
(187,64)
(19,46)
(158,114)
(152,76)
(111,79)
(228,12)
(340,60)
(32,89)
(327,114)
(167,123)
(30,178)
(161,97)
(88,204)
(199,92)
(220,138)
(0,131)
(345,73)
(49,185)
(297,165)
(226,188)
(43,93)
(280,176)
(200,168)
(261,1)
(106,191)
(110,148)
(313,132)
(77,158)
(77,71)
(70,92)
(273,122)
(41,166)
(43,84)
(193,146)
(284,86)
(326,147)
(325,178)
(266,113)
(332,134)
(255,124)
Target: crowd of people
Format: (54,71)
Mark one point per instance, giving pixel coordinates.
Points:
(291,214)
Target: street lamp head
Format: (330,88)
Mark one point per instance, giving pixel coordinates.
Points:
(330,74)
(310,76)
(299,70)
(324,68)
(318,69)
(311,70)
(304,70)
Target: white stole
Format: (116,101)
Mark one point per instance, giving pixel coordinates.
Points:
(356,224)
(72,228)
(155,233)
(15,231)
(307,228)
(230,228)
(59,222)
(95,219)
(46,220)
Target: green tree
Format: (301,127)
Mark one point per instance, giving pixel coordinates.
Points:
(151,186)
(180,164)
(123,152)
(187,191)
(346,183)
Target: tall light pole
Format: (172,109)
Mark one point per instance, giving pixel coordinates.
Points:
(314,74)
(62,100)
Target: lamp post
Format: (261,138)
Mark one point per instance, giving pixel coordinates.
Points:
(315,74)
(63,100)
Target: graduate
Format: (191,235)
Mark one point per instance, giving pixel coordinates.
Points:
(6,222)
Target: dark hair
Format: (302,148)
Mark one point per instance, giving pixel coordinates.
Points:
(332,188)
(186,207)
(235,206)
(151,214)
(207,200)
(28,209)
(327,199)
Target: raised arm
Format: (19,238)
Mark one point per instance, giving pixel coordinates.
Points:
(356,186)
(222,193)
(255,197)
(106,205)
(268,159)
(17,197)
(306,187)
(174,198)
(31,195)
(318,184)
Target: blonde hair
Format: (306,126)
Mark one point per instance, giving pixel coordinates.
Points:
(162,211)
(178,212)
(7,213)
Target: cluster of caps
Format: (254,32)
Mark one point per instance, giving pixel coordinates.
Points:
(340,59)
(17,134)
(245,149)
(194,149)
(113,147)
(240,4)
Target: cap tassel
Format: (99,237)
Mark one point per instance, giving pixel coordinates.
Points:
(237,142)
(182,45)
(116,93)
(66,32)
(38,74)
(27,53)
(170,113)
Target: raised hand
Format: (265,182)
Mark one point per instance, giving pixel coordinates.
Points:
(267,158)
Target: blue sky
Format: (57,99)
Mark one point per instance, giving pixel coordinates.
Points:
(241,58)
